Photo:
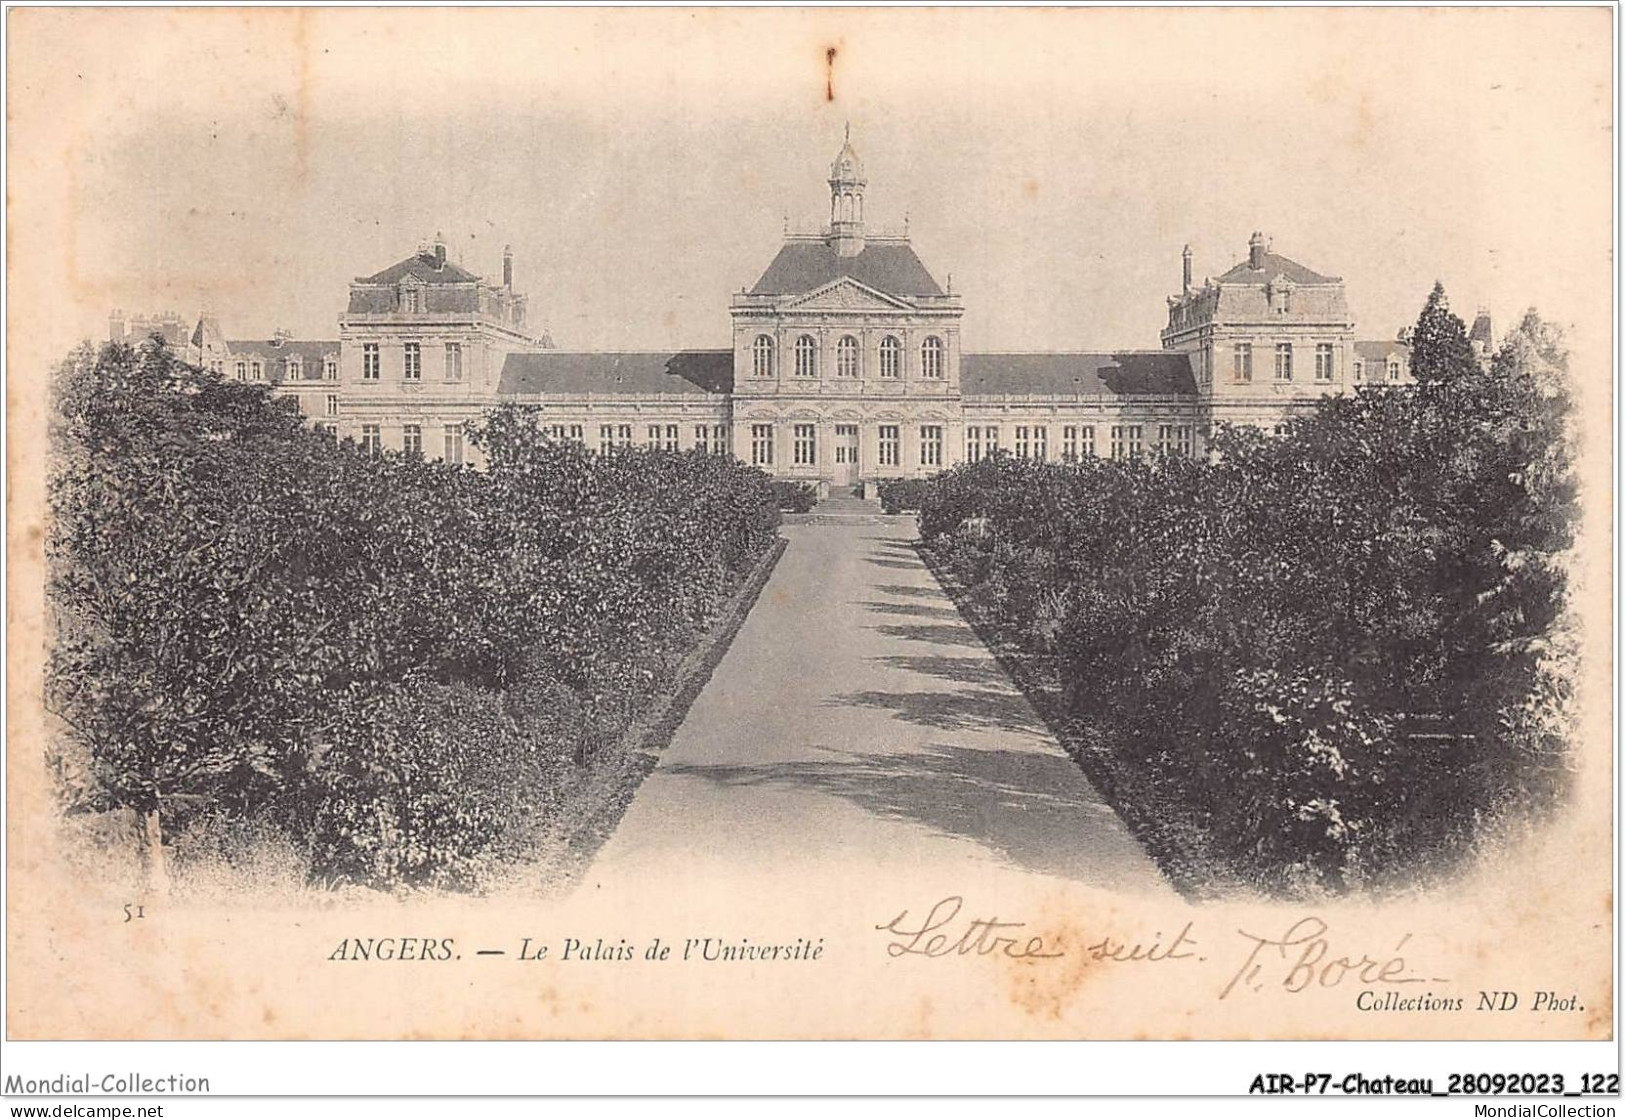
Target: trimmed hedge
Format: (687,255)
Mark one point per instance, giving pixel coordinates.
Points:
(1341,651)
(397,661)
(902,495)
(795,497)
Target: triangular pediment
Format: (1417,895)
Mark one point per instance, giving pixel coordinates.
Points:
(846,294)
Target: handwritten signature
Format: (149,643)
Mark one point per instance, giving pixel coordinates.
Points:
(1299,959)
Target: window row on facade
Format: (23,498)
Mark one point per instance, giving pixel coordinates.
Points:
(452,448)
(1325,369)
(1077,441)
(412,361)
(764,450)
(848,357)
(253,369)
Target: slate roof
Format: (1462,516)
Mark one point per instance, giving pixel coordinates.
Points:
(1274,265)
(1379,349)
(276,355)
(423,268)
(1482,330)
(1122,373)
(630,373)
(887,266)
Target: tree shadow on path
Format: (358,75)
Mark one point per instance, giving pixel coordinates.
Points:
(1028,809)
(980,709)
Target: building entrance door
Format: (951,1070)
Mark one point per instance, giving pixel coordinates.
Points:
(846,455)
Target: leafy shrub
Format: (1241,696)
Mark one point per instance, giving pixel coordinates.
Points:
(793,496)
(1343,650)
(902,495)
(254,619)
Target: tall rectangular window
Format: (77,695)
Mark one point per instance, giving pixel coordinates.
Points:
(671,437)
(454,361)
(1359,371)
(1069,443)
(372,440)
(654,436)
(1021,441)
(1185,440)
(1040,443)
(889,445)
(931,445)
(1323,361)
(1244,361)
(719,438)
(761,445)
(1283,361)
(973,444)
(332,404)
(330,369)
(702,437)
(804,446)
(606,438)
(256,371)
(556,431)
(577,434)
(1128,441)
(413,369)
(454,443)
(1086,442)
(1393,371)
(242,371)
(296,370)
(623,435)
(846,443)
(369,361)
(412,439)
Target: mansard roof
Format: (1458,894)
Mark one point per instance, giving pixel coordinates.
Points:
(625,373)
(1122,373)
(277,352)
(889,266)
(1380,348)
(422,266)
(1271,266)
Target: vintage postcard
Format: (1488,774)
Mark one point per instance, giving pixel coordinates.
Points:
(810,524)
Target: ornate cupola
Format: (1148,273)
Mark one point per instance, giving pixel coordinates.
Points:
(846,183)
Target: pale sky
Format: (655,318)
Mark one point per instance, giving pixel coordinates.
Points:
(642,162)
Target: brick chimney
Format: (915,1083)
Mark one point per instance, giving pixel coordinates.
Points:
(1256,247)
(439,251)
(1186,258)
(507,267)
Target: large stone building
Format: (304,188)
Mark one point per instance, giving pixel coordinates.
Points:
(846,364)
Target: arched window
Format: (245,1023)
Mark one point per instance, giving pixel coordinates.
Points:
(761,356)
(891,357)
(931,357)
(806,356)
(846,357)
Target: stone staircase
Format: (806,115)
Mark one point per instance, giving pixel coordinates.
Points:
(842,509)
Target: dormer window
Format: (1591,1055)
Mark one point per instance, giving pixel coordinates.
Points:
(1279,292)
(330,369)
(411,295)
(296,369)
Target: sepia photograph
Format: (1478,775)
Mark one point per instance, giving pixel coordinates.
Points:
(862,524)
